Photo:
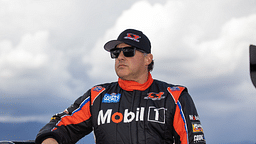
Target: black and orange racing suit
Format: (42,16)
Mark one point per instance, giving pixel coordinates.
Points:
(126,112)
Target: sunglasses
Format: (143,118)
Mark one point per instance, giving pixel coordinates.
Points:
(127,51)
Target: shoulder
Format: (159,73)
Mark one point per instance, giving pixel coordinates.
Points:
(176,91)
(105,86)
(100,88)
(168,85)
(95,90)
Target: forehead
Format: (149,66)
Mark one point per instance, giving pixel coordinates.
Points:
(121,45)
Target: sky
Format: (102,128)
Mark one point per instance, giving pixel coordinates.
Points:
(51,52)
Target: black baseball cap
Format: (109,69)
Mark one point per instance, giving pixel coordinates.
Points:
(131,37)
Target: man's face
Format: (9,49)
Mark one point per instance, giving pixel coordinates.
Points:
(132,68)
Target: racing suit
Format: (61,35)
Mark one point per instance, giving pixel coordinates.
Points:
(126,112)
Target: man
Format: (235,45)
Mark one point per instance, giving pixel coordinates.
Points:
(134,110)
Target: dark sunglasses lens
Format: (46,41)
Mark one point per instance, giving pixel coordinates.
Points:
(115,53)
(129,52)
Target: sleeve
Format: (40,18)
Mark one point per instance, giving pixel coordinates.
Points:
(186,119)
(71,125)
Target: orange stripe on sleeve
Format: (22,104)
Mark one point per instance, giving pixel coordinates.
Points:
(179,122)
(79,115)
(82,113)
(179,125)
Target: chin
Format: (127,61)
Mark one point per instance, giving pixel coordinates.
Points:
(122,75)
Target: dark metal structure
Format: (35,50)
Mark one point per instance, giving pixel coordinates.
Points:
(252,55)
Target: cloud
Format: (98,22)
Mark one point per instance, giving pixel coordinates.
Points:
(224,55)
(32,65)
(22,119)
(28,54)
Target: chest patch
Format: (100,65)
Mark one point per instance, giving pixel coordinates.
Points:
(155,96)
(111,98)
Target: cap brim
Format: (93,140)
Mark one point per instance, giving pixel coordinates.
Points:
(111,44)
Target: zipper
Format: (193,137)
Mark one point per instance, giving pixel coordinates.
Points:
(131,109)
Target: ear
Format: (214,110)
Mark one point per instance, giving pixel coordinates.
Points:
(148,59)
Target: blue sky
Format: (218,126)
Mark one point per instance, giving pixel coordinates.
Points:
(51,52)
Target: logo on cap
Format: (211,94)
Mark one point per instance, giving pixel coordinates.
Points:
(132,37)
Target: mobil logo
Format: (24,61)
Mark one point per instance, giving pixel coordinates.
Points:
(154,115)
(118,117)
